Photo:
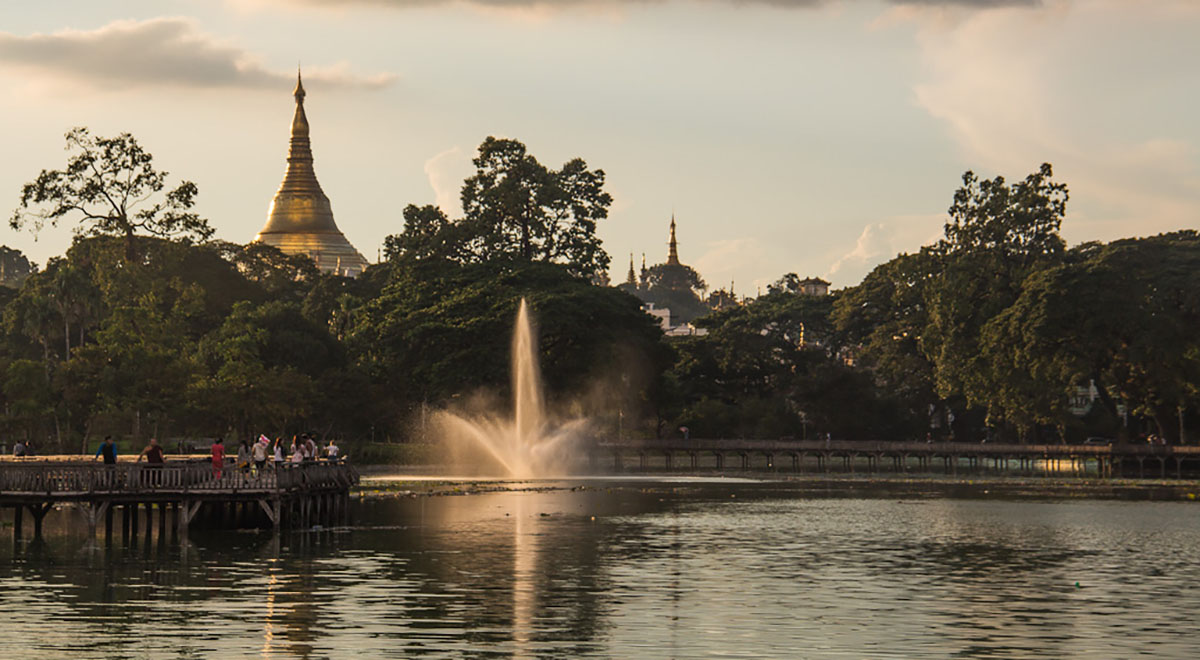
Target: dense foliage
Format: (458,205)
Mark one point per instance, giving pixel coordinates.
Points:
(149,328)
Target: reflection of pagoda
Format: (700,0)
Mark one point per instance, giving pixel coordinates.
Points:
(301,220)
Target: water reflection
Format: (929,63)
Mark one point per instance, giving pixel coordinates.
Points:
(630,570)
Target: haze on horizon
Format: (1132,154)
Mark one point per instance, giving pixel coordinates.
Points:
(813,136)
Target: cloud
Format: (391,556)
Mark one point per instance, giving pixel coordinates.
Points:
(1015,89)
(721,259)
(520,4)
(881,241)
(160,51)
(446,172)
(872,243)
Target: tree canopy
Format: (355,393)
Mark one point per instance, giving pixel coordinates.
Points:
(994,329)
(112,186)
(516,210)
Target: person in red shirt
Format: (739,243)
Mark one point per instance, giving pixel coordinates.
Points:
(218,458)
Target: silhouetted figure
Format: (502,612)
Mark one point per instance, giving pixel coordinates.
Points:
(107,450)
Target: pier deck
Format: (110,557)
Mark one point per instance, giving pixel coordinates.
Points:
(286,495)
(820,456)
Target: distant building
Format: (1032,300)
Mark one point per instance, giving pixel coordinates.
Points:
(300,220)
(670,330)
(672,285)
(722,299)
(663,315)
(814,286)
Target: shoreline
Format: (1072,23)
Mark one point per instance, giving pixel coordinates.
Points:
(416,481)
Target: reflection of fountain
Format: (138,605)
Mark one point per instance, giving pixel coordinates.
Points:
(525,572)
(529,444)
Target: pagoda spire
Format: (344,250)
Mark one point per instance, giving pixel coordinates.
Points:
(300,176)
(631,278)
(300,220)
(673,252)
(299,91)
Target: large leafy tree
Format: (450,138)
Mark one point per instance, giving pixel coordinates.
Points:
(112,187)
(430,234)
(884,319)
(438,331)
(997,236)
(517,210)
(761,372)
(1120,317)
(260,368)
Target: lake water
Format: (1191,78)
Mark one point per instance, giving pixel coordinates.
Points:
(632,569)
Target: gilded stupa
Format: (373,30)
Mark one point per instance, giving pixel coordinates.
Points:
(300,220)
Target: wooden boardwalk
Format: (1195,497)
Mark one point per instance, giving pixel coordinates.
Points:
(298,495)
(819,456)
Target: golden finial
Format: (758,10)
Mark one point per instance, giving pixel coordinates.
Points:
(299,93)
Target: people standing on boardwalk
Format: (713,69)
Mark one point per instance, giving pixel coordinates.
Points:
(108,449)
(278,452)
(218,458)
(259,454)
(297,453)
(331,452)
(153,453)
(19,449)
(243,456)
(310,448)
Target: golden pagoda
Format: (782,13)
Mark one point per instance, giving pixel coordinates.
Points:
(300,220)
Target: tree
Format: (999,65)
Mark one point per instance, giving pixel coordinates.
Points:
(429,234)
(438,331)
(676,287)
(14,267)
(516,211)
(282,276)
(1019,221)
(260,367)
(758,373)
(139,364)
(111,184)
(997,236)
(1121,317)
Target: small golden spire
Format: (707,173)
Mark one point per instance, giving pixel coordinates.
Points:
(299,92)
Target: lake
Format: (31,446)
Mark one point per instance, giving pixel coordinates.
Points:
(620,568)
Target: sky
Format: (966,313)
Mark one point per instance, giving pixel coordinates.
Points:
(820,137)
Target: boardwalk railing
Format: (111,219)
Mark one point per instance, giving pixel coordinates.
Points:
(83,479)
(866,447)
(1107,460)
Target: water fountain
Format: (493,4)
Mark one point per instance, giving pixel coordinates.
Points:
(530,442)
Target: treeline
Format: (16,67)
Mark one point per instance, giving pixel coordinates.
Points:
(220,339)
(997,332)
(148,326)
(998,326)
